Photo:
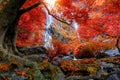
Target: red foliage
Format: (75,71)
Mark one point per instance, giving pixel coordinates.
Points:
(93,17)
(91,49)
(31,25)
(60,48)
(84,50)
(106,23)
(73,10)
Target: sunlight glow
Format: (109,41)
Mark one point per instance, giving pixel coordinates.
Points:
(50,3)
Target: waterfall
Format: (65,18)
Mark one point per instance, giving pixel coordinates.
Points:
(47,33)
(75,26)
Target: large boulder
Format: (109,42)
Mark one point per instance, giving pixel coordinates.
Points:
(113,76)
(112,52)
(34,50)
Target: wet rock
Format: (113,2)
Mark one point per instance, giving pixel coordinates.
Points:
(113,76)
(60,33)
(56,61)
(108,69)
(53,72)
(37,58)
(112,70)
(102,55)
(57,74)
(112,52)
(67,57)
(34,50)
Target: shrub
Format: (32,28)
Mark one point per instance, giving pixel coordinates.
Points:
(90,49)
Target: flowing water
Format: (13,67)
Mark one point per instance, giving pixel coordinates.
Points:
(47,33)
(76,26)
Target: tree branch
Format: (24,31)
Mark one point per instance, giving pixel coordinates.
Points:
(54,15)
(29,8)
(111,36)
(105,33)
(37,4)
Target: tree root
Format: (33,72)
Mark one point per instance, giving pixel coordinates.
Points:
(37,75)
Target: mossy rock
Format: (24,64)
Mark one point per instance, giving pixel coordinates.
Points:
(51,72)
(80,67)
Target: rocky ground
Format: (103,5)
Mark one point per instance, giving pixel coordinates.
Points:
(61,68)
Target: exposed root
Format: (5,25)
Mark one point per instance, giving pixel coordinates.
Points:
(36,74)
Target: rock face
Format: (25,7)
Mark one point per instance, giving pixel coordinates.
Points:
(62,32)
(113,76)
(102,55)
(112,52)
(34,50)
(97,69)
(112,71)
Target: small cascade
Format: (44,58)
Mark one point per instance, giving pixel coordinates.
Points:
(47,33)
(74,58)
(75,26)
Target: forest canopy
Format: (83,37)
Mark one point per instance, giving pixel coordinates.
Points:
(39,34)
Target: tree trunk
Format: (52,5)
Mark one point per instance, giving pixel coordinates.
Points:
(117,44)
(9,18)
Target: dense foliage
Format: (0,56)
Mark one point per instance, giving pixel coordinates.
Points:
(79,33)
(31,26)
(96,21)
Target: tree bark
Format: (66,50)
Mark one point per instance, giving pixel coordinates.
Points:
(117,44)
(21,62)
(9,17)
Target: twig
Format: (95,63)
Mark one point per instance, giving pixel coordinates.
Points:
(29,8)
(54,15)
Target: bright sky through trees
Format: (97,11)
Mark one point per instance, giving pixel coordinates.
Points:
(50,3)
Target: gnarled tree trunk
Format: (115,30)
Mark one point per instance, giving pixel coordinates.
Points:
(9,17)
